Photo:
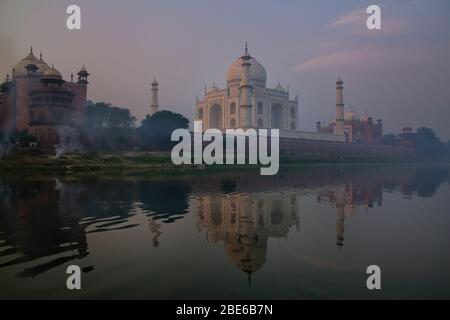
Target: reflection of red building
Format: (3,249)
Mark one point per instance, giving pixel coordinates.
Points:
(38,100)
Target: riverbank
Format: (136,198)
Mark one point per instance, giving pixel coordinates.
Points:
(133,163)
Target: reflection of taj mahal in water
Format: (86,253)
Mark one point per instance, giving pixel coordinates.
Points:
(243,214)
(245,222)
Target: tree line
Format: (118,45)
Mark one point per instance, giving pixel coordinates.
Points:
(152,134)
(427,144)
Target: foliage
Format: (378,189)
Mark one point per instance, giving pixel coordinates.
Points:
(22,137)
(105,115)
(4,87)
(390,139)
(428,144)
(156,129)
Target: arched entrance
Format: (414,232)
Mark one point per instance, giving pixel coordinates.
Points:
(215,117)
(276,116)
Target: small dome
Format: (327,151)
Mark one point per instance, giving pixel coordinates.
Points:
(213,88)
(52,73)
(20,67)
(351,116)
(257,72)
(42,65)
(279,87)
(83,71)
(365,118)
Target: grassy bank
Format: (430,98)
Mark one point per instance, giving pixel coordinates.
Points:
(129,164)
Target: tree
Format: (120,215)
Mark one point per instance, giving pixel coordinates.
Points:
(22,137)
(105,115)
(447,149)
(156,129)
(428,144)
(4,87)
(390,139)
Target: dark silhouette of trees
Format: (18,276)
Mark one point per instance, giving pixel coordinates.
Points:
(390,139)
(156,129)
(428,144)
(105,115)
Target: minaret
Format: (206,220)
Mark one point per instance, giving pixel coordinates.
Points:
(340,216)
(246,92)
(339,129)
(83,76)
(154,105)
(80,90)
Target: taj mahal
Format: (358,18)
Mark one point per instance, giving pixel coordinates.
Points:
(247,102)
(228,108)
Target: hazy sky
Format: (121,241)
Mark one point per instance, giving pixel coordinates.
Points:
(400,74)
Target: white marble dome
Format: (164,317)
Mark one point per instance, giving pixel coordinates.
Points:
(257,72)
(351,116)
(213,88)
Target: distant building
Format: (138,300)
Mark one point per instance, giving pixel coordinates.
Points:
(407,138)
(354,128)
(38,100)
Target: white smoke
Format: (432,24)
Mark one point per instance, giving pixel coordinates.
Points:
(69,141)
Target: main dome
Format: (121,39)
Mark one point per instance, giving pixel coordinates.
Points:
(351,116)
(257,72)
(20,67)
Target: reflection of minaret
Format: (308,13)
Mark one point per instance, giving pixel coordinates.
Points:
(154,106)
(246,89)
(154,228)
(340,215)
(340,219)
(339,130)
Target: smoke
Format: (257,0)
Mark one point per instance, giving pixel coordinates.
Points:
(69,141)
(58,185)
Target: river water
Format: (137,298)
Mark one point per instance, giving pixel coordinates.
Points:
(309,232)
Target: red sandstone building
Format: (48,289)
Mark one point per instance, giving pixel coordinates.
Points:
(38,100)
(355,129)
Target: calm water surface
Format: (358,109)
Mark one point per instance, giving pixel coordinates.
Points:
(308,232)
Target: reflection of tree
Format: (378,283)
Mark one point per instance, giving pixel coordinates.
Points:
(165,200)
(429,179)
(49,218)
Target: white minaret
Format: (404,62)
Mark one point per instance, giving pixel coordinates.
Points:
(245,89)
(154,106)
(339,129)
